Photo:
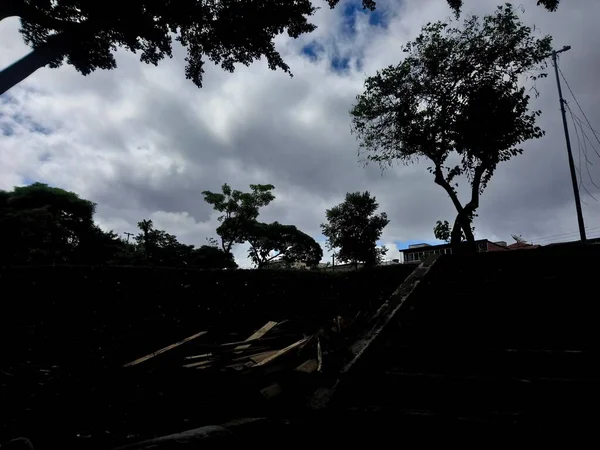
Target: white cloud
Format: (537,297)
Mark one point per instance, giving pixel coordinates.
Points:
(143,142)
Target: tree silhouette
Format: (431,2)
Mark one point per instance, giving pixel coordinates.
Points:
(457,93)
(353,228)
(239,211)
(86,33)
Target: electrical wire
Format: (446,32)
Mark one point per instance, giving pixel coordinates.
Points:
(582,140)
(578,105)
(553,236)
(582,148)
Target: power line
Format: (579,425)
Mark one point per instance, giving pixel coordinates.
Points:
(580,122)
(582,148)
(578,105)
(563,234)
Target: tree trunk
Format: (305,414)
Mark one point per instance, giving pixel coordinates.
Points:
(462,225)
(54,48)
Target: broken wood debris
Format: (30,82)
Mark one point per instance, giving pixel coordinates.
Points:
(274,351)
(163,350)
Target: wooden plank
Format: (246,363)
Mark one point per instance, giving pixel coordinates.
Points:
(308,366)
(262,356)
(198,364)
(284,351)
(202,356)
(257,334)
(163,350)
(271,391)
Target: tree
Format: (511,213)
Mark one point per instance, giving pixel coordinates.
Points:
(86,33)
(271,242)
(550,5)
(441,231)
(97,247)
(40,224)
(239,211)
(163,249)
(160,247)
(456,93)
(353,228)
(209,257)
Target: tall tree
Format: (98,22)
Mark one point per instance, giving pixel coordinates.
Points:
(160,247)
(457,92)
(271,242)
(40,224)
(353,229)
(86,33)
(239,211)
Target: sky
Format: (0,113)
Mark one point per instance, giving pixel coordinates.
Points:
(144,142)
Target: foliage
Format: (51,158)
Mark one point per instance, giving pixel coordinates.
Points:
(44,225)
(270,242)
(442,231)
(354,229)
(163,249)
(550,5)
(226,32)
(456,94)
(239,211)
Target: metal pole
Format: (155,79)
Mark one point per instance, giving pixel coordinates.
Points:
(569,152)
(128,234)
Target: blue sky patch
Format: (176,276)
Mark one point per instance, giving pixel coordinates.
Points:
(340,64)
(402,245)
(354,8)
(312,50)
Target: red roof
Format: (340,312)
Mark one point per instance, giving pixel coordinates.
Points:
(522,246)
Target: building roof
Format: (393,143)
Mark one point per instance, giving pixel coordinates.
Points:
(522,246)
(427,248)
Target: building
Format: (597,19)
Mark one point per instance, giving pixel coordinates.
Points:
(417,253)
(523,246)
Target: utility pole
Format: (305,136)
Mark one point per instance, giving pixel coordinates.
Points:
(128,234)
(568,139)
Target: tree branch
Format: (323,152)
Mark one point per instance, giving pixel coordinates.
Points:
(441,181)
(476,188)
(54,48)
(18,8)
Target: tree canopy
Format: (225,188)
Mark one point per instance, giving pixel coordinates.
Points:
(270,242)
(457,93)
(239,211)
(86,34)
(41,224)
(157,247)
(353,229)
(550,5)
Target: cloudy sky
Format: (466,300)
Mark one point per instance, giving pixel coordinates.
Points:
(143,142)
